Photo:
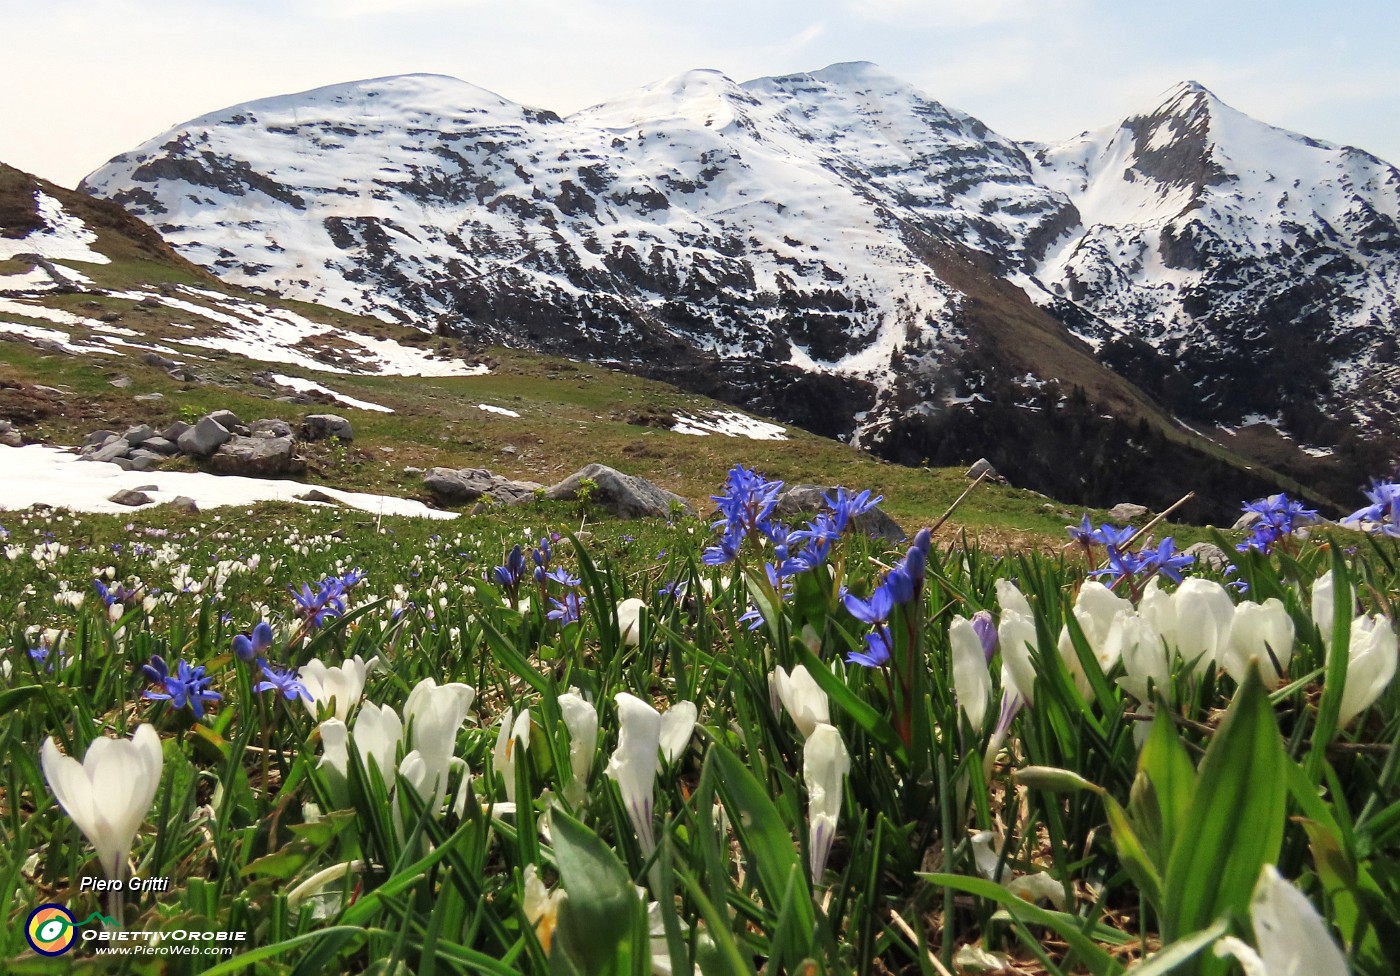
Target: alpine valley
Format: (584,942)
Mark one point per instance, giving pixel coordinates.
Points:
(1186,299)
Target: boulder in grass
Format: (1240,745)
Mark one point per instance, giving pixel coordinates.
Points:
(128,496)
(1127,511)
(115,448)
(138,434)
(143,460)
(270,428)
(184,503)
(9,437)
(1208,555)
(807,500)
(173,432)
(623,495)
(160,445)
(256,457)
(450,486)
(321,426)
(204,438)
(229,420)
(99,437)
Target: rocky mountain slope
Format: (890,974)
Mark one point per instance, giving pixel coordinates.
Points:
(840,251)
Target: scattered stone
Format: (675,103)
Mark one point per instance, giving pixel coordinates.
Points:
(316,495)
(132,497)
(143,460)
(139,434)
(173,432)
(110,317)
(8,435)
(148,397)
(121,382)
(229,421)
(457,487)
(980,467)
(184,503)
(270,428)
(1127,511)
(99,437)
(156,359)
(255,457)
(204,438)
(411,470)
(508,449)
(1208,554)
(115,448)
(811,499)
(320,426)
(160,445)
(624,495)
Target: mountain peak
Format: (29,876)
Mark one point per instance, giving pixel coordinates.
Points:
(702,94)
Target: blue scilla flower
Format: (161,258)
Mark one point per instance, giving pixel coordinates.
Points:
(1278,516)
(877,649)
(510,574)
(187,687)
(875,610)
(845,507)
(285,683)
(568,610)
(321,603)
(727,549)
(1383,514)
(561,576)
(250,648)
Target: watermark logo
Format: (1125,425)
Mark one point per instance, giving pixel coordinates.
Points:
(51,930)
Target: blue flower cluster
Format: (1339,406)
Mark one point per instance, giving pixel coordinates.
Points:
(1278,515)
(187,687)
(1383,514)
(113,595)
(901,585)
(325,600)
(1136,567)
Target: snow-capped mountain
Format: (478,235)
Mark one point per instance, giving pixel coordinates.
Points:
(862,259)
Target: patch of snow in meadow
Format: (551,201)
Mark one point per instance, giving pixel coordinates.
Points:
(63,237)
(307,386)
(36,333)
(52,476)
(500,410)
(728,423)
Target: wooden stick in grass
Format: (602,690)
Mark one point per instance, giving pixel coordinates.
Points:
(954,507)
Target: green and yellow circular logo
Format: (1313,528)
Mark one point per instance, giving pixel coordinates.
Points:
(50,930)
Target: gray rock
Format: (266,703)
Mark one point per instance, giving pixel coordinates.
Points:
(149,397)
(173,432)
(160,446)
(806,500)
(10,437)
(115,448)
(184,503)
(125,463)
(1209,555)
(156,359)
(457,487)
(980,467)
(316,495)
(139,434)
(204,438)
(229,421)
(1127,511)
(270,428)
(121,382)
(320,426)
(411,470)
(99,437)
(142,461)
(624,495)
(256,457)
(127,496)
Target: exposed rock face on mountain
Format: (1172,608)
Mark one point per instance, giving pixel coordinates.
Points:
(837,250)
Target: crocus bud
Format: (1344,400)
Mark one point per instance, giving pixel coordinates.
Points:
(513,739)
(802,697)
(971,680)
(633,764)
(986,630)
(1371,660)
(581,719)
(1202,616)
(1017,636)
(825,764)
(629,626)
(262,636)
(1259,630)
(1146,666)
(342,685)
(1291,936)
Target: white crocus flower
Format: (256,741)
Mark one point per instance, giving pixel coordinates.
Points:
(1324,602)
(1194,621)
(1094,609)
(1016,636)
(802,697)
(108,793)
(434,713)
(541,906)
(825,764)
(677,726)
(1259,630)
(1144,656)
(633,764)
(629,621)
(1371,660)
(1009,597)
(344,684)
(581,719)
(513,738)
(1293,939)
(971,680)
(378,733)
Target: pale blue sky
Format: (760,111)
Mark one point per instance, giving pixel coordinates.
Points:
(86,79)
